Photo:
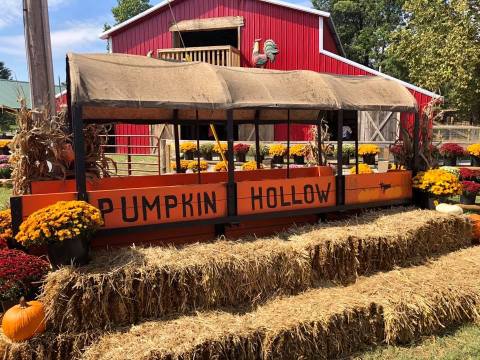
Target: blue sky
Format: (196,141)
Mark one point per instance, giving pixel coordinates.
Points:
(74,25)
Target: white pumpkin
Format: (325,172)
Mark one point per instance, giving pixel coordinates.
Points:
(449,209)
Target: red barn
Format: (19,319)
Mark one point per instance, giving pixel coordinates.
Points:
(225,30)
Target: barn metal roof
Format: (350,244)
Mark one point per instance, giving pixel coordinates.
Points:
(12,90)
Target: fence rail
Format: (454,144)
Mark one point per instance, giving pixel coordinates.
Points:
(215,55)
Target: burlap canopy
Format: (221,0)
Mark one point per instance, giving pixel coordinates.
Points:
(128,87)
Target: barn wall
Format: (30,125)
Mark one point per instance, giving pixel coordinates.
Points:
(295,32)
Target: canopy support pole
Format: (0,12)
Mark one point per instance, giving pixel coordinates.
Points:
(319,139)
(79,148)
(340,179)
(231,188)
(288,144)
(356,145)
(416,143)
(197,131)
(257,140)
(176,136)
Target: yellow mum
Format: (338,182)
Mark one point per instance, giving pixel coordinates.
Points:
(249,166)
(277,150)
(298,150)
(188,146)
(193,165)
(474,150)
(438,182)
(362,169)
(368,149)
(221,166)
(58,222)
(220,149)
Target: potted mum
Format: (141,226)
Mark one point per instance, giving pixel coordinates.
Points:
(299,151)
(193,165)
(263,152)
(398,152)
(5,146)
(249,166)
(183,166)
(368,152)
(240,151)
(20,275)
(219,149)
(474,152)
(277,152)
(6,233)
(362,169)
(65,228)
(450,153)
(188,149)
(206,150)
(220,166)
(470,189)
(348,151)
(433,185)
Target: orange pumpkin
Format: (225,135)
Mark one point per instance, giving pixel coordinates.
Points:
(23,321)
(475,220)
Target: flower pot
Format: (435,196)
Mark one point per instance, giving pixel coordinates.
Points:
(71,251)
(188,155)
(450,161)
(299,160)
(425,200)
(277,159)
(345,159)
(369,159)
(207,157)
(241,157)
(261,158)
(468,198)
(181,171)
(475,161)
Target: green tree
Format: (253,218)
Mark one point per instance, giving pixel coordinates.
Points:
(364,27)
(5,73)
(440,47)
(127,9)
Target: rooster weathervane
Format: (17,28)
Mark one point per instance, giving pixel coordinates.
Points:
(270,52)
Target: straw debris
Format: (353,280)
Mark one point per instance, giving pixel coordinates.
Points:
(394,307)
(124,286)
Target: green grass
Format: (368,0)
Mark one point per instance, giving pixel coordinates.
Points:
(460,344)
(5,193)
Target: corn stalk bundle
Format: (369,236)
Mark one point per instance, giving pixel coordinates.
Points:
(39,146)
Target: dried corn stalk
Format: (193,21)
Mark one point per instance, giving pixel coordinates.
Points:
(39,150)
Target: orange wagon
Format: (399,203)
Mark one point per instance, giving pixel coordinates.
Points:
(184,207)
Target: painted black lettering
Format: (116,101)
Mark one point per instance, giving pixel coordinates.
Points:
(282,198)
(171,202)
(105,206)
(322,195)
(187,203)
(199,204)
(125,217)
(258,197)
(271,197)
(295,201)
(210,202)
(309,194)
(146,206)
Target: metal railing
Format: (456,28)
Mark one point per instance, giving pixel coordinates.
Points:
(224,55)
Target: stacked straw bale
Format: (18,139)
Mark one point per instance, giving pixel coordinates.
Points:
(124,286)
(394,307)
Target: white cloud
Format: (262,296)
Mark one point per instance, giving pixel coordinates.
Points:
(12,11)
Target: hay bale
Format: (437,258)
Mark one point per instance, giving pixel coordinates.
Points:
(125,286)
(394,307)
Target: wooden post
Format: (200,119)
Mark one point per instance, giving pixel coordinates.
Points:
(176,135)
(340,178)
(416,143)
(39,55)
(257,140)
(288,144)
(231,187)
(319,140)
(129,157)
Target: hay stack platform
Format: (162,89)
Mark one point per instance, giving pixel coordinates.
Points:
(323,291)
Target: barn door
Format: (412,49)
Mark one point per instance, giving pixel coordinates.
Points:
(378,125)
